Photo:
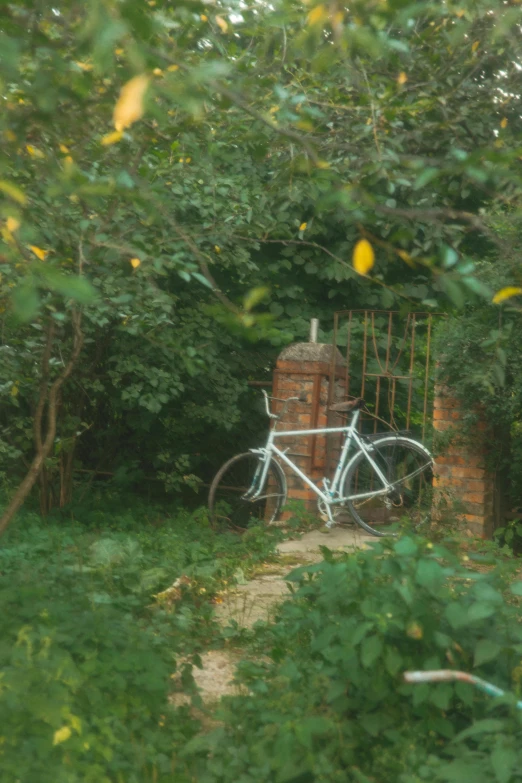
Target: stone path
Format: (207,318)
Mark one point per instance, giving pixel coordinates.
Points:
(257,599)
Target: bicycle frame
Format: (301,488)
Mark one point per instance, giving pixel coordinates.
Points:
(331,495)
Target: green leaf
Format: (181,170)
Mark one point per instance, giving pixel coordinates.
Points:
(406,546)
(485,726)
(453,290)
(371,649)
(71,287)
(504,761)
(516,587)
(425,177)
(429,574)
(457,615)
(442,695)
(393,661)
(480,611)
(202,279)
(26,302)
(486,650)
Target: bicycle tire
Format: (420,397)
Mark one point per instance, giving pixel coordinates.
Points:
(412,491)
(226,504)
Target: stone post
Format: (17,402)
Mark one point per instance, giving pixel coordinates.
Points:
(305,368)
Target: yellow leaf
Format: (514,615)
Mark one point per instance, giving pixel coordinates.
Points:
(402,78)
(414,631)
(64,149)
(9,135)
(503,122)
(506,293)
(157,72)
(129,106)
(217,248)
(13,191)
(118,52)
(317,15)
(61,735)
(475,46)
(68,161)
(363,257)
(14,390)
(173,68)
(187,160)
(337,18)
(223,26)
(75,722)
(112,138)
(12,224)
(39,253)
(84,66)
(459,14)
(405,257)
(34,152)
(6,236)
(303,226)
(203,18)
(135,262)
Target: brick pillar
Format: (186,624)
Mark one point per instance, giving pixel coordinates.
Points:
(465,488)
(305,367)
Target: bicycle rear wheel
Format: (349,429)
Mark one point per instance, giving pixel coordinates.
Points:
(228,500)
(406,465)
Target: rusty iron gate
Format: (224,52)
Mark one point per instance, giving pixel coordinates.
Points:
(385,356)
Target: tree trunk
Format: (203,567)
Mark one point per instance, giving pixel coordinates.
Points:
(48,397)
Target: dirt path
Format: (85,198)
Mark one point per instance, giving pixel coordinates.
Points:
(257,599)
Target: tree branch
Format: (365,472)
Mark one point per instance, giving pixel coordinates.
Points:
(52,400)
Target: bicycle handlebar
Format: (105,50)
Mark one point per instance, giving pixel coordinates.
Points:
(302,398)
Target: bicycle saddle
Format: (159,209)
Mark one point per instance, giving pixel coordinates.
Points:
(347,405)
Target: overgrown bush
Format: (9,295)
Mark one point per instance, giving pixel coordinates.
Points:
(479,356)
(87,653)
(330,704)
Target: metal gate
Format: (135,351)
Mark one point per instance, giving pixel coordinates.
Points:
(386,358)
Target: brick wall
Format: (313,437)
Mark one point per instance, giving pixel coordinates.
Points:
(305,368)
(464,486)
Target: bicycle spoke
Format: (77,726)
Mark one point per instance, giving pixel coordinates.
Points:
(407,469)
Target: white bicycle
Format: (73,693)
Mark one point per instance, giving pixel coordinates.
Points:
(380,478)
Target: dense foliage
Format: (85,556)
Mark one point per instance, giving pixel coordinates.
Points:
(254,147)
(90,640)
(329,703)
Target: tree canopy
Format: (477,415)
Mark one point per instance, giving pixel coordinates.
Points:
(183,185)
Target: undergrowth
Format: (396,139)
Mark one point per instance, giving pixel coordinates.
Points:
(327,701)
(87,651)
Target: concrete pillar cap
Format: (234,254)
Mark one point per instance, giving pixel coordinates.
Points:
(311,352)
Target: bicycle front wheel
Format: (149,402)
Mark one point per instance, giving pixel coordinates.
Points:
(230,500)
(408,467)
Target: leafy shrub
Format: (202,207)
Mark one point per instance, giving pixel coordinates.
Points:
(331,705)
(87,654)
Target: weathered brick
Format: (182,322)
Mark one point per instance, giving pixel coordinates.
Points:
(465,472)
(474,518)
(477,528)
(443,426)
(473,497)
